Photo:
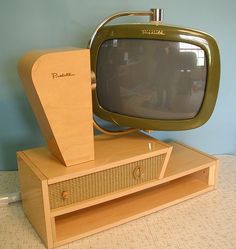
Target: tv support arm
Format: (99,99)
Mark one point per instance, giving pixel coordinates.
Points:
(155,15)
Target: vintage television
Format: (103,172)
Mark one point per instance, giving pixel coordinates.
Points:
(154,76)
(147,77)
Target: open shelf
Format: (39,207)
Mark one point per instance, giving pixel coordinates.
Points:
(94,219)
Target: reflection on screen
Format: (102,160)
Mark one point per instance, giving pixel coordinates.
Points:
(150,78)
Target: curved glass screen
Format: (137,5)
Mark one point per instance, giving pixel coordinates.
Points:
(151,78)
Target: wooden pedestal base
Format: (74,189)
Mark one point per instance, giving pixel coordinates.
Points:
(131,176)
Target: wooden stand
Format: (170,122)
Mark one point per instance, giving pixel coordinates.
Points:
(131,176)
(58,86)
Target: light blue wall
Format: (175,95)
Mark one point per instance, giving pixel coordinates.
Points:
(34,24)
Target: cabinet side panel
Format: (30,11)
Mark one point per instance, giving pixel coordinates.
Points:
(32,188)
(213,174)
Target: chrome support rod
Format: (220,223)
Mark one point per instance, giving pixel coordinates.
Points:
(154,14)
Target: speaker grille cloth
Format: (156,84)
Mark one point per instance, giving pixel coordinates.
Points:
(105,182)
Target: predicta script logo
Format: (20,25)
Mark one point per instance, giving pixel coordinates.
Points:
(61,75)
(153,32)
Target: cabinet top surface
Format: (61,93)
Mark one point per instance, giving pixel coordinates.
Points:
(109,152)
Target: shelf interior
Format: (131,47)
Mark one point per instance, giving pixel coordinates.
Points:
(90,220)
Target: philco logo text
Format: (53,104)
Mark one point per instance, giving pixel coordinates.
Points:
(153,32)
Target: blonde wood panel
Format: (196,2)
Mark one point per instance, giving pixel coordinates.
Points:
(25,72)
(109,152)
(109,214)
(34,194)
(213,174)
(167,159)
(188,174)
(185,159)
(58,86)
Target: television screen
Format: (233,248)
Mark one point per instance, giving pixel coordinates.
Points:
(150,78)
(154,76)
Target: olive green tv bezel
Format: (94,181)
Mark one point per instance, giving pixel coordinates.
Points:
(167,33)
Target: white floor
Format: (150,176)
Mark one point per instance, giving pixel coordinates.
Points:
(204,222)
